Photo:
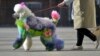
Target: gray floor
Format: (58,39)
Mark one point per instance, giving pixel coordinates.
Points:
(8,35)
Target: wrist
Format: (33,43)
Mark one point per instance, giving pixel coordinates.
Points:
(64,2)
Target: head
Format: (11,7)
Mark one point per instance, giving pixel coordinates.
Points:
(22,10)
(55,15)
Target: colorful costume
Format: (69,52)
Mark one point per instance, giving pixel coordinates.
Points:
(38,26)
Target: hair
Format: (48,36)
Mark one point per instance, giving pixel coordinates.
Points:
(22,8)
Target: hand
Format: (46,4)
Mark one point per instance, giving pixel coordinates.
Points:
(61,4)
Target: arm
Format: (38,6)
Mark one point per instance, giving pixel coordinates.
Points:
(67,2)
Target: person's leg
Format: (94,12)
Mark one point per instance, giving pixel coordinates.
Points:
(89,34)
(80,37)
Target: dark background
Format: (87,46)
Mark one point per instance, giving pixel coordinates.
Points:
(41,8)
